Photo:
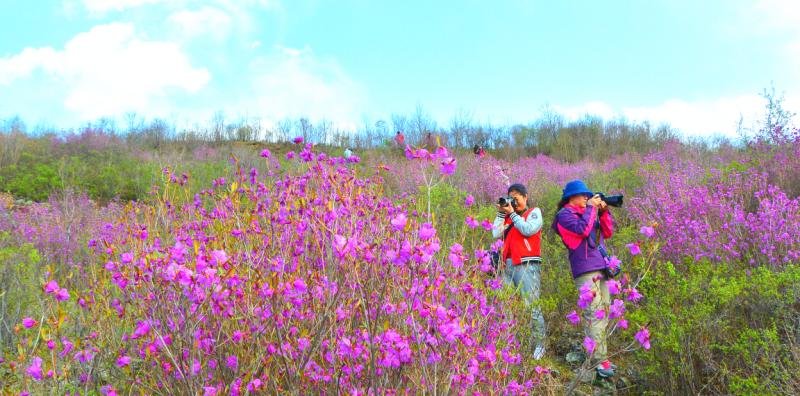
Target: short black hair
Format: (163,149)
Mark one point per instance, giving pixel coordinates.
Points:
(518,187)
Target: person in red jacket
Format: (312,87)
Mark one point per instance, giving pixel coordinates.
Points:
(521,230)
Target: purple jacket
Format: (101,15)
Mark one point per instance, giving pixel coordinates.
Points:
(575,225)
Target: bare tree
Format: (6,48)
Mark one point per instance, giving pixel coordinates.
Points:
(285,128)
(460,128)
(305,127)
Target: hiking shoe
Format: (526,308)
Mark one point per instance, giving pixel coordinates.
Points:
(538,352)
(605,369)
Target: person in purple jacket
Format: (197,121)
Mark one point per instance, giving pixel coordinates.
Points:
(583,221)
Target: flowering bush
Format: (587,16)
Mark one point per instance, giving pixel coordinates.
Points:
(314,282)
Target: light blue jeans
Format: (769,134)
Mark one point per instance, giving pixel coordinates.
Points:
(527,279)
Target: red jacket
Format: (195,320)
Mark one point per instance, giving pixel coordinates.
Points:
(519,247)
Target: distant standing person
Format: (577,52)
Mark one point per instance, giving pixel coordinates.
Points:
(399,139)
(479,151)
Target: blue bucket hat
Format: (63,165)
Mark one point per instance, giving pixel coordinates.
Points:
(575,187)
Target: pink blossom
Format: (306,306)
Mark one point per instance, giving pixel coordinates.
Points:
(573,317)
(219,257)
(399,221)
(613,262)
(471,223)
(613,287)
(28,322)
(265,153)
(35,369)
(589,344)
(51,287)
(633,294)
(469,200)
(643,336)
(426,231)
(600,314)
(232,362)
(634,248)
(142,329)
(487,225)
(456,255)
(298,140)
(51,344)
(617,309)
(448,166)
(123,361)
(126,258)
(108,390)
(647,231)
(254,385)
(623,323)
(62,295)
(586,295)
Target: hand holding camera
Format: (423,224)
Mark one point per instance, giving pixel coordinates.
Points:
(506,204)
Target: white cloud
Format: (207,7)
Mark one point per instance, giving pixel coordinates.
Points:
(782,17)
(694,118)
(103,6)
(109,70)
(206,20)
(294,82)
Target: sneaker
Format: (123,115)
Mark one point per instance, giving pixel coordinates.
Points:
(605,369)
(538,352)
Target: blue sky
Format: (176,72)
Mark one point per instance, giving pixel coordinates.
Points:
(697,65)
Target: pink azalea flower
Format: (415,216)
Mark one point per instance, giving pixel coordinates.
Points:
(633,294)
(456,255)
(623,323)
(399,221)
(265,153)
(599,314)
(426,231)
(62,295)
(469,201)
(448,166)
(254,385)
(123,361)
(573,318)
(232,362)
(643,336)
(587,295)
(108,390)
(613,262)
(35,369)
(487,225)
(647,231)
(589,344)
(613,287)
(219,257)
(617,309)
(471,223)
(126,258)
(634,248)
(51,287)
(298,140)
(51,344)
(28,322)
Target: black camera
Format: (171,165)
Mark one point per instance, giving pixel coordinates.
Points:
(505,201)
(612,200)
